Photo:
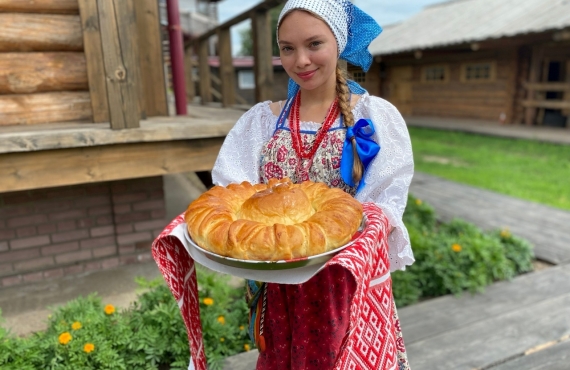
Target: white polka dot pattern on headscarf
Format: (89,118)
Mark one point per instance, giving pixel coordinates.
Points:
(333,12)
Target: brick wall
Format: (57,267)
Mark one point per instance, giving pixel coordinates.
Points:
(61,231)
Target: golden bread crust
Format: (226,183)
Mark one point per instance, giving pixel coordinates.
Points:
(275,221)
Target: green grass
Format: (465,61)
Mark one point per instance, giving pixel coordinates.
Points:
(525,169)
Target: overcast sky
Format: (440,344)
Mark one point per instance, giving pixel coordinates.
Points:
(384,11)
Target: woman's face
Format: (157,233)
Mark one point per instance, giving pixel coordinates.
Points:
(308,50)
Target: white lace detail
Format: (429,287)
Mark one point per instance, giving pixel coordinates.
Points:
(388,178)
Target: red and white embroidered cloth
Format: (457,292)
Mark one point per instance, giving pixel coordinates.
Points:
(373,339)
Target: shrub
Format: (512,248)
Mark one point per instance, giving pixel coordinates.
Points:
(455,256)
(86,334)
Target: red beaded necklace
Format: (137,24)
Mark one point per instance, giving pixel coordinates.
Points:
(302,151)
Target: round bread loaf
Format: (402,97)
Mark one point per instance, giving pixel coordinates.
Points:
(275,221)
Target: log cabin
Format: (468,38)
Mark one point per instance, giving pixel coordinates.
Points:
(503,61)
(86,136)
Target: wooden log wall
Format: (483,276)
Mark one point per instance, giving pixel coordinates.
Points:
(456,98)
(103,57)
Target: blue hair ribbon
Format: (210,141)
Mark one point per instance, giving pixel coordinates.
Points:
(366,148)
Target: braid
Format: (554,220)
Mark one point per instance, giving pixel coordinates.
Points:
(344,105)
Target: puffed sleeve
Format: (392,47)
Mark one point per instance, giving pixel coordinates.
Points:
(389,176)
(239,156)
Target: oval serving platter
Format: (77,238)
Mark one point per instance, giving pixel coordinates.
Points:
(275,265)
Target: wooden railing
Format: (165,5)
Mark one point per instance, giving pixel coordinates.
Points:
(262,53)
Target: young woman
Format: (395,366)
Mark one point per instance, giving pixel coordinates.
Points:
(329,130)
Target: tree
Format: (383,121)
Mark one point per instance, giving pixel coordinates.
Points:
(246,34)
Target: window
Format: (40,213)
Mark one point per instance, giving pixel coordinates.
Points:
(246,80)
(435,74)
(359,76)
(475,72)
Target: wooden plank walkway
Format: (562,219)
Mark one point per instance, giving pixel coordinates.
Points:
(495,329)
(546,227)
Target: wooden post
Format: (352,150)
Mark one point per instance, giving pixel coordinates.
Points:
(534,76)
(39,6)
(567,94)
(189,74)
(204,70)
(151,61)
(120,54)
(512,86)
(94,58)
(226,67)
(262,53)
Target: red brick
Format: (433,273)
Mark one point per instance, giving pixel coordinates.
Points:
(6,269)
(143,245)
(104,241)
(35,241)
(34,264)
(105,251)
(98,189)
(109,263)
(122,208)
(7,234)
(92,201)
(13,211)
(73,270)
(156,194)
(11,280)
(53,273)
(100,210)
(85,222)
(66,192)
(35,276)
(119,187)
(81,255)
(126,249)
(149,205)
(27,220)
(157,232)
(3,246)
(70,235)
(133,238)
(53,205)
(2,224)
(47,228)
(104,220)
(149,225)
(129,197)
(124,228)
(93,266)
(16,198)
(66,215)
(19,255)
(60,248)
(128,259)
(66,225)
(158,213)
(102,231)
(132,217)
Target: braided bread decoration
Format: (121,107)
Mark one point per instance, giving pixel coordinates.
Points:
(275,221)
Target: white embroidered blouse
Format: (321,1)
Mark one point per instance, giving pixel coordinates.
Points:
(387,180)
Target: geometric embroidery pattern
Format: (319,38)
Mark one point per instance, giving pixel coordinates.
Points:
(373,341)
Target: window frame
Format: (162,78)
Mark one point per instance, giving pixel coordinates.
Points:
(241,83)
(446,73)
(492,71)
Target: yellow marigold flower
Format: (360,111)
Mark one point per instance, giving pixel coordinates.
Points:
(505,233)
(88,347)
(208,301)
(419,202)
(65,338)
(246,347)
(456,248)
(109,309)
(222,320)
(222,339)
(76,325)
(241,327)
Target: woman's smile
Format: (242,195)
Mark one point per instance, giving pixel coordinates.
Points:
(305,76)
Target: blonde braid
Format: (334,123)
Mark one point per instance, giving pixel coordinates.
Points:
(344,105)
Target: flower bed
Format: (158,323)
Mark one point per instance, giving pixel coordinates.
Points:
(86,334)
